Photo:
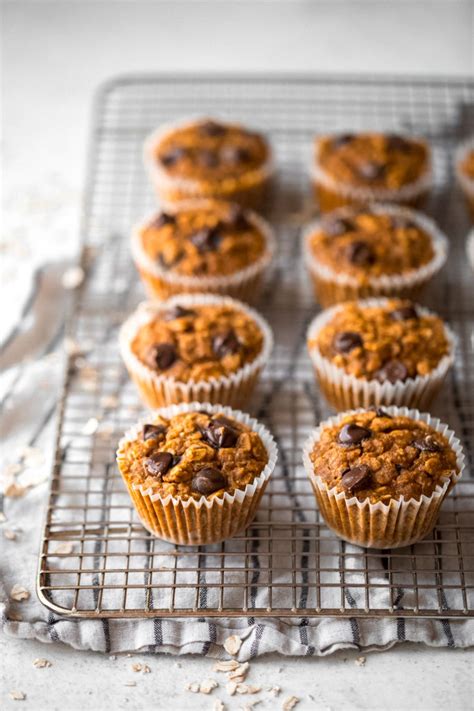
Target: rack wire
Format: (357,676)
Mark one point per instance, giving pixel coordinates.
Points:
(96,560)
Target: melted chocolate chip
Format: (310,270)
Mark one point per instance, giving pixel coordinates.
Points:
(342,139)
(346,341)
(356,478)
(381,413)
(220,435)
(173,156)
(428,444)
(206,240)
(177,312)
(404,313)
(226,344)
(159,463)
(212,128)
(393,371)
(207,481)
(164,218)
(361,254)
(337,226)
(208,159)
(152,431)
(235,154)
(398,143)
(163,355)
(352,434)
(370,170)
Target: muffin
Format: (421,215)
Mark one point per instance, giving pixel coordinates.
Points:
(361,168)
(196,473)
(464,168)
(204,246)
(206,158)
(380,476)
(195,347)
(379,250)
(380,352)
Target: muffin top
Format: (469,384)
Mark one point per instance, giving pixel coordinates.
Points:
(211,150)
(372,455)
(195,454)
(390,342)
(372,160)
(198,343)
(207,239)
(364,244)
(467,164)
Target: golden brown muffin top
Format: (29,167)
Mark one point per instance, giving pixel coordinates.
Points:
(211,239)
(372,160)
(199,342)
(390,343)
(365,244)
(195,454)
(211,150)
(467,164)
(372,455)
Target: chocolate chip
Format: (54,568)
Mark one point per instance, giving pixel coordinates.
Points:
(209,159)
(219,435)
(206,240)
(398,143)
(393,371)
(235,154)
(207,481)
(404,313)
(346,341)
(163,355)
(212,128)
(164,219)
(237,217)
(173,156)
(177,312)
(342,139)
(370,170)
(337,226)
(360,253)
(381,413)
(159,463)
(152,431)
(353,434)
(221,420)
(428,444)
(226,343)
(356,478)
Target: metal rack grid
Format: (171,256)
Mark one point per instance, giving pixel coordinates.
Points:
(96,560)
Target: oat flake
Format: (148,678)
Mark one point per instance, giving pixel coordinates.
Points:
(19,593)
(290,703)
(17,695)
(41,663)
(232,644)
(207,686)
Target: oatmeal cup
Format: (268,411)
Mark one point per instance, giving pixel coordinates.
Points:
(464,169)
(195,347)
(196,472)
(205,158)
(203,246)
(378,250)
(362,168)
(380,476)
(380,352)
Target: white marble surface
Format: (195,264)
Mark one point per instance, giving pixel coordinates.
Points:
(54,54)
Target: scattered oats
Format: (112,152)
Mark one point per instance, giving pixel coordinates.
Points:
(240,672)
(130,683)
(14,490)
(275,690)
(112,657)
(72,277)
(232,644)
(290,703)
(248,689)
(109,401)
(231,688)
(64,548)
(218,705)
(41,663)
(207,686)
(146,669)
(226,666)
(18,593)
(9,534)
(360,661)
(17,695)
(91,426)
(137,667)
(193,687)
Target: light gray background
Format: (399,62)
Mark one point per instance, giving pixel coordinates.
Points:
(54,55)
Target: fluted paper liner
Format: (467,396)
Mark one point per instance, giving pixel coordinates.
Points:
(466,183)
(332,193)
(198,521)
(244,284)
(159,390)
(333,287)
(345,391)
(248,189)
(393,525)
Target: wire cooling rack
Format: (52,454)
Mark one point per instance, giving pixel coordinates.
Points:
(96,559)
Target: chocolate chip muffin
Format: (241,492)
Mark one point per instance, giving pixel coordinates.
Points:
(204,246)
(196,473)
(380,475)
(195,348)
(380,351)
(380,250)
(361,168)
(464,168)
(211,159)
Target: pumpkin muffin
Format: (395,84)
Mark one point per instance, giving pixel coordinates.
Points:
(204,246)
(379,250)
(195,347)
(464,167)
(207,158)
(196,473)
(361,168)
(380,352)
(380,476)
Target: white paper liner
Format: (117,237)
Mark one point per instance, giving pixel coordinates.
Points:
(464,180)
(158,390)
(244,283)
(470,248)
(384,285)
(393,525)
(192,188)
(346,391)
(198,521)
(361,193)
